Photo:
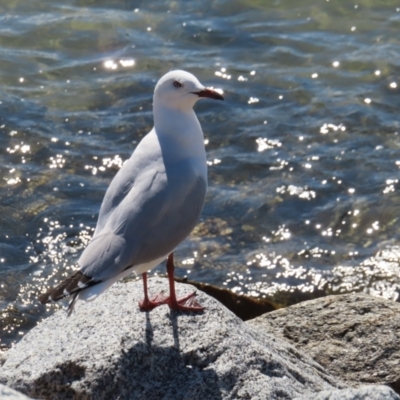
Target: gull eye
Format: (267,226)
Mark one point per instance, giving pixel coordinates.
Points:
(177,84)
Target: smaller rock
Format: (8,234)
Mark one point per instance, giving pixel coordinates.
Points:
(370,392)
(354,336)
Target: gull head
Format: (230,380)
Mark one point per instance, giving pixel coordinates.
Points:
(180,90)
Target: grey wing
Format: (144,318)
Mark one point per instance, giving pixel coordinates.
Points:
(126,176)
(116,192)
(152,219)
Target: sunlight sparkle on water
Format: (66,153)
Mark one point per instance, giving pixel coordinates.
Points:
(266,144)
(326,128)
(280,165)
(381,272)
(216,161)
(282,233)
(278,268)
(126,63)
(222,74)
(13,181)
(390,185)
(253,100)
(23,148)
(301,192)
(57,162)
(106,162)
(110,64)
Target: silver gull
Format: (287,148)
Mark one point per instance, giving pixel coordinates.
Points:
(152,204)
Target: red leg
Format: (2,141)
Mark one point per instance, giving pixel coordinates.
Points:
(186,303)
(146,304)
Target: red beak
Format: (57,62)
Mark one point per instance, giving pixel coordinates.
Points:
(211,93)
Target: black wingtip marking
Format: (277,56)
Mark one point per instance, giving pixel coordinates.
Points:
(71,305)
(70,286)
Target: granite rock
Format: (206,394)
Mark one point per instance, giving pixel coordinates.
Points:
(109,349)
(355,337)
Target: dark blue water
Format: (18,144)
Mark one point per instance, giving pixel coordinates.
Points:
(304,154)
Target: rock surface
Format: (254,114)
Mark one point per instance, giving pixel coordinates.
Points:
(9,394)
(356,337)
(109,349)
(361,393)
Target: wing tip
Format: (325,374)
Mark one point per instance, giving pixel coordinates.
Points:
(68,287)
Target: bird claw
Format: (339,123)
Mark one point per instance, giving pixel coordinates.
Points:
(157,300)
(186,303)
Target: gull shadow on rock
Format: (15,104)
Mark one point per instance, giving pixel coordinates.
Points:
(149,331)
(147,371)
(161,373)
(173,316)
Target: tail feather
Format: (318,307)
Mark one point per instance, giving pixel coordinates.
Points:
(71,305)
(70,286)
